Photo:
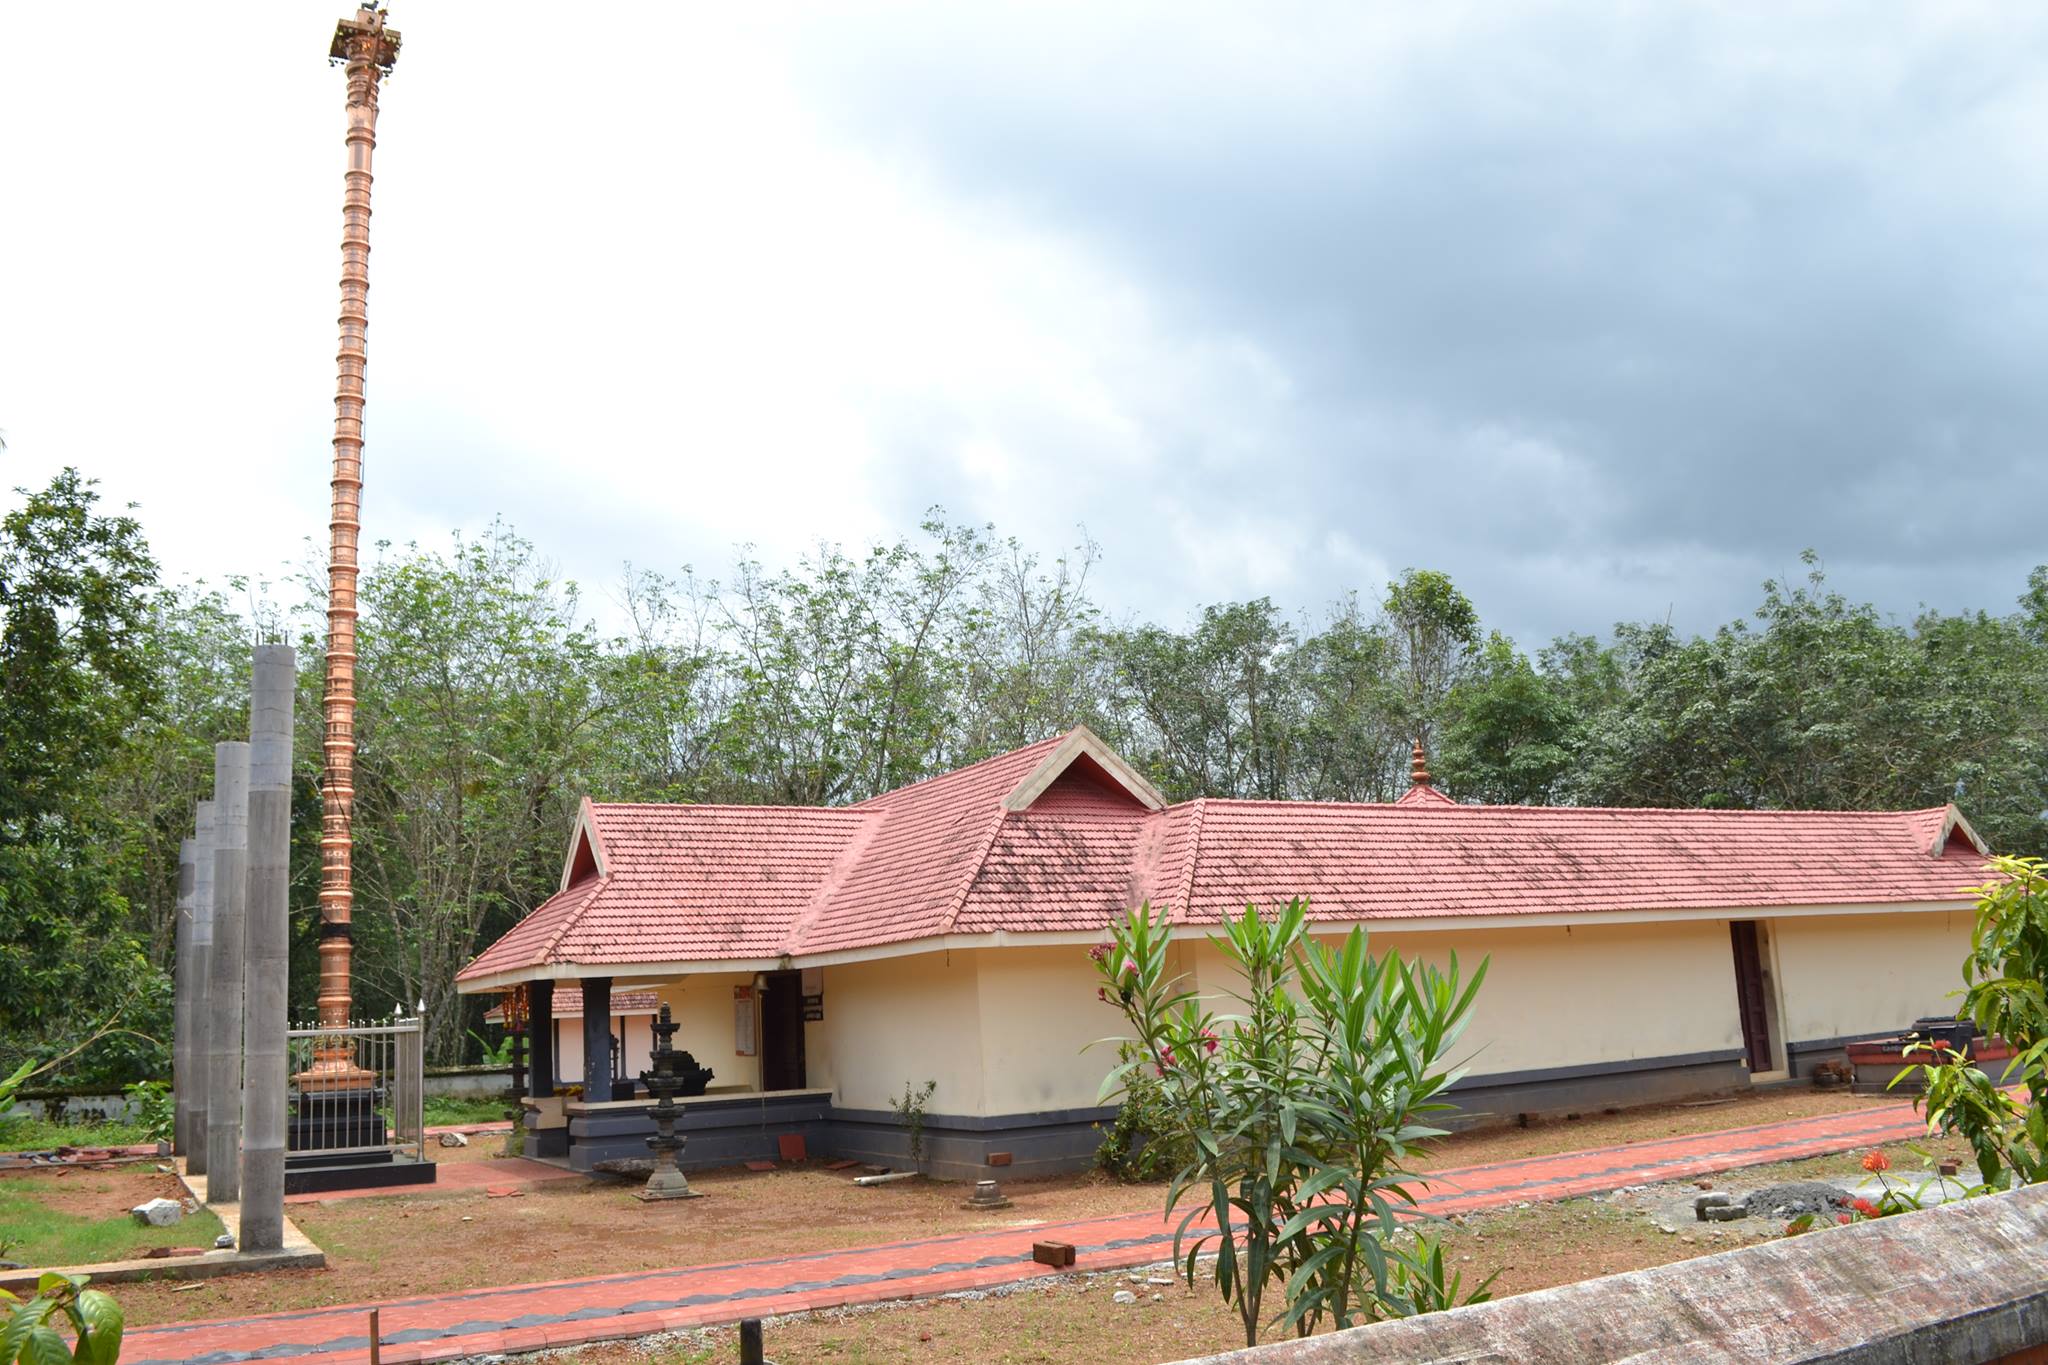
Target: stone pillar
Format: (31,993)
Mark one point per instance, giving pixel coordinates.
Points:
(202,982)
(540,1039)
(224,1004)
(597,1039)
(265,1078)
(181,1003)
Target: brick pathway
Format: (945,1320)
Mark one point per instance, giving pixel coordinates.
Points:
(531,1317)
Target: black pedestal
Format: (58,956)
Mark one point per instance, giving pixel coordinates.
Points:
(315,1172)
(322,1128)
(323,1120)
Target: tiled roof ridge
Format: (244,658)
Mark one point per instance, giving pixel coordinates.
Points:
(597,886)
(1569,810)
(959,901)
(853,809)
(849,858)
(1051,741)
(1187,880)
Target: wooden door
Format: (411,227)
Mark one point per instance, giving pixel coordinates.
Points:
(1749,994)
(782,1032)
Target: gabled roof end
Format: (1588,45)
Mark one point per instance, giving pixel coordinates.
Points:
(1953,823)
(1081,740)
(583,835)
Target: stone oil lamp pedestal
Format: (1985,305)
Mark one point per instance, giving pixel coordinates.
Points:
(667,1180)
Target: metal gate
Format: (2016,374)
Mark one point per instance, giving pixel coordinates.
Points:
(379,1109)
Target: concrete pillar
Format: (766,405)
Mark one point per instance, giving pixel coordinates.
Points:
(224,1004)
(540,1038)
(181,1003)
(597,1039)
(202,982)
(265,1083)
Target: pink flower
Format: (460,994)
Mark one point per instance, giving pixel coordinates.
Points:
(1099,953)
(1209,1041)
(1102,994)
(1165,1059)
(1127,967)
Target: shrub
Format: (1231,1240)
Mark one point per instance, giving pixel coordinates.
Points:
(1142,1143)
(2006,995)
(154,1109)
(910,1110)
(1301,1113)
(26,1335)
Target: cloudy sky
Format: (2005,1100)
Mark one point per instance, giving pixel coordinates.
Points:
(1607,310)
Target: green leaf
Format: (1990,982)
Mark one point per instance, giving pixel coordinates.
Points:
(43,1346)
(101,1340)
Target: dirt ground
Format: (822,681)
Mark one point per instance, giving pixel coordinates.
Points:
(442,1242)
(1614,1128)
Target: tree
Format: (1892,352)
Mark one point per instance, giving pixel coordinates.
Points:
(1434,628)
(1511,734)
(1355,734)
(74,678)
(480,724)
(1819,703)
(1212,712)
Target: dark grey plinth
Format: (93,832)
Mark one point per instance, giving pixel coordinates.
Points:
(722,1131)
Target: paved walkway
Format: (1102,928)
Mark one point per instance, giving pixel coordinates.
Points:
(565,1313)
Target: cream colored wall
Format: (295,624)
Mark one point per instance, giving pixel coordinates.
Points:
(903,1019)
(1038,1014)
(633,1028)
(1570,997)
(1005,1031)
(703,1008)
(1850,974)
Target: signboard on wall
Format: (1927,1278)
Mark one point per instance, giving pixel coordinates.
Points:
(743,1039)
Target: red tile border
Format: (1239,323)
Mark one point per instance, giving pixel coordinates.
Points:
(700,1296)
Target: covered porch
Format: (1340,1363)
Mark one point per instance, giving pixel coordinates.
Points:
(586,1042)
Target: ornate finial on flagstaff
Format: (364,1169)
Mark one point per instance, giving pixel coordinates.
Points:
(1418,770)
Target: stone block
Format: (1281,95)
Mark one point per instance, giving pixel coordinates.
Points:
(158,1213)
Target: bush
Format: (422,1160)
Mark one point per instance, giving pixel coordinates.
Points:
(1142,1143)
(155,1110)
(27,1336)
(1301,1113)
(2006,996)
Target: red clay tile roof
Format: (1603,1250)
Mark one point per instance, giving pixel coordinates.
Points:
(568,1004)
(949,856)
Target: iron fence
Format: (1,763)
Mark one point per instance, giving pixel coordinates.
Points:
(359,1088)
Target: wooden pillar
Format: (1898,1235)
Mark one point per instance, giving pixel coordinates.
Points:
(540,1039)
(597,1039)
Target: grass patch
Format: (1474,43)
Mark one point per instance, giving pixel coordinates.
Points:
(454,1109)
(32,1134)
(37,1235)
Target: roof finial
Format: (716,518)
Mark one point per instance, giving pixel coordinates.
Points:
(1418,771)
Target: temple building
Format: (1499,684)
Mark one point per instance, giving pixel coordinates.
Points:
(821,959)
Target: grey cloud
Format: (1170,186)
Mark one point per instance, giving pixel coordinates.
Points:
(1607,310)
